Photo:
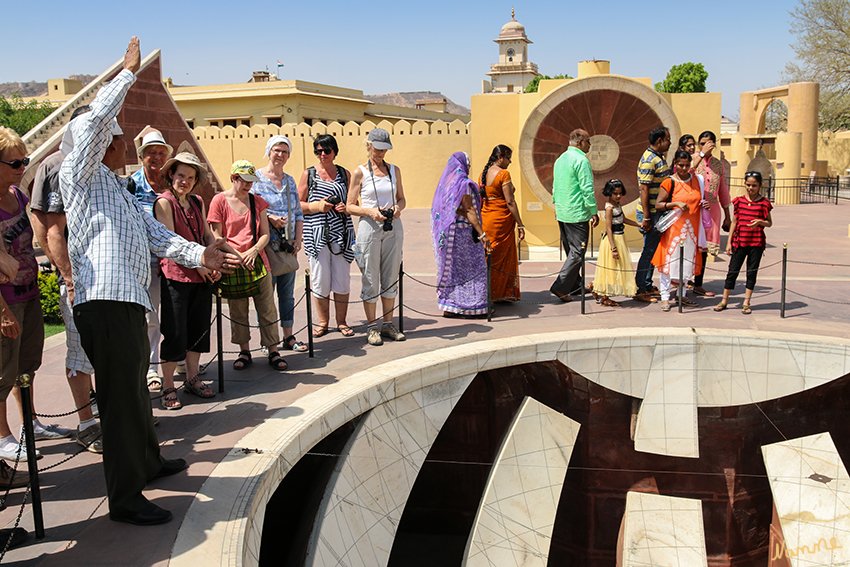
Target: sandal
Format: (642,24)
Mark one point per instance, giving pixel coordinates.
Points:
(688,302)
(608,302)
(154,383)
(277,362)
(202,390)
(703,292)
(745,309)
(320,331)
(665,307)
(345,330)
(293,344)
(243,361)
(169,399)
(720,307)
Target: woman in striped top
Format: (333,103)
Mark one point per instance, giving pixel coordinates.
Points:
(328,233)
(751,215)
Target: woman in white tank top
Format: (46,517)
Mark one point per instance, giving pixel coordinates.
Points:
(376,196)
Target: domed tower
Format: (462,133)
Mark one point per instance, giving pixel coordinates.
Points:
(513,71)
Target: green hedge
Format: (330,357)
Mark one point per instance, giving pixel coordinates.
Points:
(49,289)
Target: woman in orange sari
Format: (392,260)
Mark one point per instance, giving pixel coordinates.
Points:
(680,191)
(500,215)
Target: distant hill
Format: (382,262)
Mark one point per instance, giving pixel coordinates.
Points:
(34,88)
(408,100)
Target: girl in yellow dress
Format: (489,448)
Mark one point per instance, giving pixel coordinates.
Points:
(614,273)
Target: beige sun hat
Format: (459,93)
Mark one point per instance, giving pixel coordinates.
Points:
(190,159)
(153,138)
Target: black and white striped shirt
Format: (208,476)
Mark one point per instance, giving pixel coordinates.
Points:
(332,228)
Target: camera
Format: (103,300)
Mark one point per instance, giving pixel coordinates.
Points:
(334,200)
(284,246)
(388,219)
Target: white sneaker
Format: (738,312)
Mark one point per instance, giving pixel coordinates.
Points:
(42,432)
(181,368)
(374,337)
(11,453)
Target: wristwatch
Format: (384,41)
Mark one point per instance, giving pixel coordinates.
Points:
(701,155)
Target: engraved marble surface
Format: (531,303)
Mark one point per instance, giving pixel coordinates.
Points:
(811,494)
(723,375)
(667,420)
(513,525)
(367,492)
(663,531)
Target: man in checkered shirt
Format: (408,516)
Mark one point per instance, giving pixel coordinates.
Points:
(109,241)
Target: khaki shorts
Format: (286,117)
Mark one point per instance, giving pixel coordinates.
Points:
(23,354)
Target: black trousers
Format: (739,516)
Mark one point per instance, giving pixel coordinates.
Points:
(753,256)
(114,336)
(574,237)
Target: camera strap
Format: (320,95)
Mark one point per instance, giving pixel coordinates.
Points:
(390,175)
(288,206)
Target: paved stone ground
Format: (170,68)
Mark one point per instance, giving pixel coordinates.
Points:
(78,531)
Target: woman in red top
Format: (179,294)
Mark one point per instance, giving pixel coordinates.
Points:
(750,216)
(186,298)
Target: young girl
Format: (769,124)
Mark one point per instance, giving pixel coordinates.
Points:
(750,216)
(614,274)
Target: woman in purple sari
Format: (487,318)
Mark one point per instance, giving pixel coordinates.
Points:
(459,242)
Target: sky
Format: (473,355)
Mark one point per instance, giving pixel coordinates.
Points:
(407,46)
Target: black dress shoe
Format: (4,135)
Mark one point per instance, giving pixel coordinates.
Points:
(17,535)
(150,515)
(170,467)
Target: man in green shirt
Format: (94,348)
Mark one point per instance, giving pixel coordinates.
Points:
(575,204)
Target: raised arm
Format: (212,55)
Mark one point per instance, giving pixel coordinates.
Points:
(92,133)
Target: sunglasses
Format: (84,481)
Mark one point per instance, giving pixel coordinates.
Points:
(320,151)
(17,163)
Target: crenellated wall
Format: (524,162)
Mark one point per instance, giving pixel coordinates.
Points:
(420,149)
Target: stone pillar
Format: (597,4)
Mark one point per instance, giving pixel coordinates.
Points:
(803,106)
(593,67)
(788,146)
(748,123)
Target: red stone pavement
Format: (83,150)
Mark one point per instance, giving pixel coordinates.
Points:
(78,531)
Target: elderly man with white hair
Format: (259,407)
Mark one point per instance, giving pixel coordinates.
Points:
(286,221)
(146,185)
(110,238)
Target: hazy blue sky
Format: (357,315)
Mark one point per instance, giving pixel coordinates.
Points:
(407,46)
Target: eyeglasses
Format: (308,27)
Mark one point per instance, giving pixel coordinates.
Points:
(17,163)
(320,151)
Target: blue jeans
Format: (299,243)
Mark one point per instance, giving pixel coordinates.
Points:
(285,285)
(651,238)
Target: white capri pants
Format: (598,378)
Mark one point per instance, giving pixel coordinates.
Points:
(75,357)
(329,273)
(378,255)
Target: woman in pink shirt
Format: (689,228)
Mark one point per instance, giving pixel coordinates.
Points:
(230,217)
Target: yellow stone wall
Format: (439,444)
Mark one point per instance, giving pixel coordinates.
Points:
(420,149)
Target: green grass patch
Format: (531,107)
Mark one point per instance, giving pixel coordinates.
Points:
(51,329)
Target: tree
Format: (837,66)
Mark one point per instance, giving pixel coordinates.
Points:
(684,78)
(535,82)
(22,116)
(822,28)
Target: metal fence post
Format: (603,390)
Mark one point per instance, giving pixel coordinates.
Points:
(219,340)
(401,297)
(784,273)
(24,381)
(309,291)
(681,274)
(489,288)
(583,285)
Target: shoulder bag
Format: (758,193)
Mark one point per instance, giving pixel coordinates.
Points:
(281,253)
